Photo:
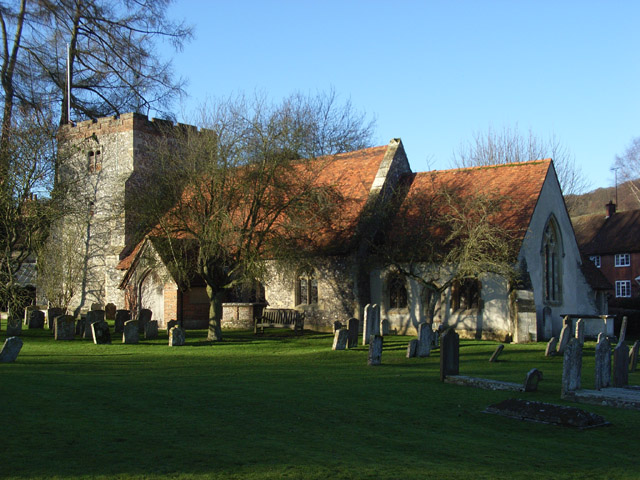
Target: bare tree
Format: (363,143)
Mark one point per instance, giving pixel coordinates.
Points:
(511,146)
(628,167)
(239,191)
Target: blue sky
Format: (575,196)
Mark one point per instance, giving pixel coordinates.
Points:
(433,73)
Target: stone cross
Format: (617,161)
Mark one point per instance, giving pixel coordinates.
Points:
(425,335)
(151,330)
(375,350)
(580,330)
(412,348)
(551,347)
(100,331)
(603,363)
(353,326)
(10,350)
(497,353)
(449,354)
(633,357)
(176,337)
(621,365)
(340,338)
(565,335)
(130,333)
(571,367)
(65,327)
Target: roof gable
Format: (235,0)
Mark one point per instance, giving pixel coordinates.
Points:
(619,233)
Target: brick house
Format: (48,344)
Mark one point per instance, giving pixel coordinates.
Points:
(337,285)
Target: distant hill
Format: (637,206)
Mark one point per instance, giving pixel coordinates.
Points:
(595,201)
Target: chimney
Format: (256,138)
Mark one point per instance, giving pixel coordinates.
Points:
(611,209)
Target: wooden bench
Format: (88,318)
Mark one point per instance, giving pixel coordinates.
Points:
(280,318)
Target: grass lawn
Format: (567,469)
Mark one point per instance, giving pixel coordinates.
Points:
(285,406)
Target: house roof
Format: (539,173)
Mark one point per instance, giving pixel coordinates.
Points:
(601,235)
(518,184)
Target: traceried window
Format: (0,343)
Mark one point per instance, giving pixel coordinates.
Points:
(307,288)
(398,297)
(622,260)
(623,288)
(465,294)
(94,160)
(552,263)
(597,261)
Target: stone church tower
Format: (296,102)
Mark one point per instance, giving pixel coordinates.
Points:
(102,161)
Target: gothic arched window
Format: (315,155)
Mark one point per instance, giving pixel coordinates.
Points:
(306,288)
(552,263)
(398,297)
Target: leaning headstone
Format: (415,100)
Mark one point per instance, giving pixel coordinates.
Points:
(110,311)
(603,363)
(565,335)
(143,317)
(623,331)
(375,350)
(337,325)
(633,357)
(36,319)
(176,337)
(425,335)
(534,376)
(340,339)
(14,327)
(366,326)
(130,333)
(10,350)
(353,325)
(93,316)
(385,327)
(100,332)
(496,354)
(171,324)
(97,306)
(412,348)
(449,354)
(571,367)
(551,347)
(151,330)
(121,317)
(65,327)
(621,365)
(580,330)
(52,314)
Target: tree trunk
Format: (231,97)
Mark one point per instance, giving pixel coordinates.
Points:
(215,314)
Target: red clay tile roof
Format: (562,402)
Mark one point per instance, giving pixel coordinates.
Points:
(599,235)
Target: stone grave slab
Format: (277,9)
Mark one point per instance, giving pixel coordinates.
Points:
(100,332)
(65,327)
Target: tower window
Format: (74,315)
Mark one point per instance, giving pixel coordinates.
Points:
(94,161)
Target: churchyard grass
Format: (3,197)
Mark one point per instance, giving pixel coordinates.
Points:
(286,406)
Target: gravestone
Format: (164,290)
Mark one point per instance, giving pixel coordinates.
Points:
(565,335)
(366,326)
(623,331)
(151,330)
(65,327)
(80,326)
(601,335)
(110,311)
(122,316)
(27,313)
(534,376)
(10,349)
(603,363)
(176,337)
(551,347)
(14,327)
(130,333)
(36,319)
(100,332)
(621,365)
(97,306)
(385,327)
(425,335)
(449,354)
(93,316)
(571,367)
(375,350)
(143,317)
(580,330)
(633,357)
(412,348)
(375,319)
(340,339)
(337,325)
(52,314)
(497,353)
(353,325)
(171,324)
